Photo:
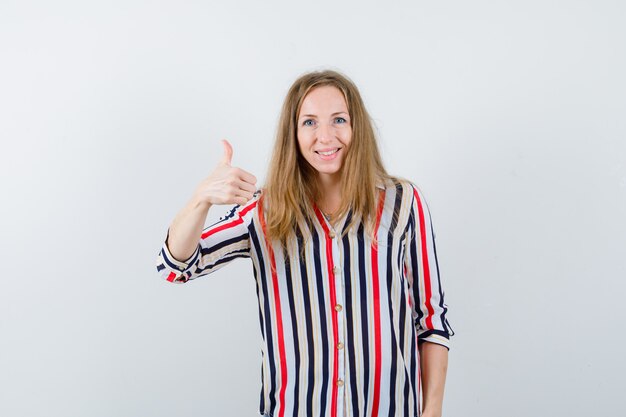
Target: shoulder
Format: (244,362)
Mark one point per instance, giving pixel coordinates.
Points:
(408,192)
(400,185)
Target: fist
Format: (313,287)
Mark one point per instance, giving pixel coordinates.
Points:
(226,184)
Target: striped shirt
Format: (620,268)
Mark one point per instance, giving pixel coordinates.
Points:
(341,315)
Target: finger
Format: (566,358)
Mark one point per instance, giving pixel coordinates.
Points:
(246,186)
(245,194)
(237,189)
(228,153)
(246,176)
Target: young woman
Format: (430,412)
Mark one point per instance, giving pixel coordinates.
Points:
(351,306)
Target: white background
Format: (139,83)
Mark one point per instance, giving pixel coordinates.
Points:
(509,115)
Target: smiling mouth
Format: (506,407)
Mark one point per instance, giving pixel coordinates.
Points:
(327,153)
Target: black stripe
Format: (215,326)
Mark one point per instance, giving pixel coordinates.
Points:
(403,301)
(258,288)
(402,324)
(309,326)
(394,341)
(364,302)
(268,321)
(262,396)
(294,328)
(414,370)
(414,268)
(216,247)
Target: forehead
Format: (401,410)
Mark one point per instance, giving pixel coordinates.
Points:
(324,99)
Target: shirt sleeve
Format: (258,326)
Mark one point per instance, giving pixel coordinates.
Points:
(219,244)
(422,271)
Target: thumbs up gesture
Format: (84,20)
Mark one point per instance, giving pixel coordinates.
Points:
(226,184)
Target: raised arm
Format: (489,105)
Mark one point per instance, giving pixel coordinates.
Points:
(225,185)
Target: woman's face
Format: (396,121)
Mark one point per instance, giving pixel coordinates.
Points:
(324,130)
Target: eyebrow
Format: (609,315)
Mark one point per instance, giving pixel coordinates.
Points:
(313,115)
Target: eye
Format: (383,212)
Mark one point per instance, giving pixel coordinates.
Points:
(340,120)
(308,122)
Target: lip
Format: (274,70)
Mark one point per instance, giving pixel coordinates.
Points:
(328,157)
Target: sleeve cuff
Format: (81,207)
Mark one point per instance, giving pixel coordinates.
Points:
(175,264)
(434,336)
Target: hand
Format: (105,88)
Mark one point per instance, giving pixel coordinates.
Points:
(226,184)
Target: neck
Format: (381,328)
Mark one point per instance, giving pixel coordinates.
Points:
(330,193)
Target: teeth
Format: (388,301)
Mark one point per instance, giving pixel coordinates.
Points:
(329,152)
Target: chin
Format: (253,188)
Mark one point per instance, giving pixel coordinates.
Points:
(327,171)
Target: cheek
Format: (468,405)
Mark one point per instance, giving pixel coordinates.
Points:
(304,141)
(347,137)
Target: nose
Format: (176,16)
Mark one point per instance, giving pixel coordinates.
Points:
(324,132)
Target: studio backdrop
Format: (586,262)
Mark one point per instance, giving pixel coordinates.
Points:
(508,115)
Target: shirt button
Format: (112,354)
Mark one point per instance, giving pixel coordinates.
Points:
(339,345)
(332,234)
(336,270)
(340,383)
(338,307)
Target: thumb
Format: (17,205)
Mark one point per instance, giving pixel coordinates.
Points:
(228,152)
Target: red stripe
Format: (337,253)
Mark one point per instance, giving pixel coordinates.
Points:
(232,223)
(333,302)
(171,277)
(427,296)
(377,349)
(279,316)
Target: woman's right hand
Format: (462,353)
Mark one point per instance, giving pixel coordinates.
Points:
(226,184)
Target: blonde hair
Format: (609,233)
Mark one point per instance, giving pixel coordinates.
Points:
(291,186)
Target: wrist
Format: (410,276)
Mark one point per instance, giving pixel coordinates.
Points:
(197,203)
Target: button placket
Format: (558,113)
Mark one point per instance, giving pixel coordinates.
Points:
(339,308)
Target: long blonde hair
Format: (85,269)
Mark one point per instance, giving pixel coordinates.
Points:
(291,184)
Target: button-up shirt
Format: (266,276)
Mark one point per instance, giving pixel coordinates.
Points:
(341,314)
